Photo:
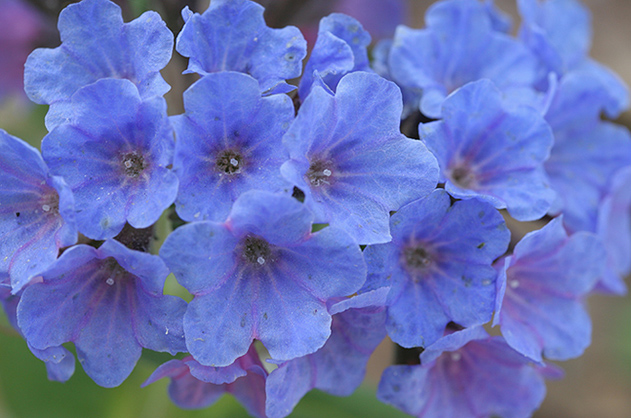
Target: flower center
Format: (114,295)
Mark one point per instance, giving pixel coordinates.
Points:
(256,251)
(417,258)
(50,203)
(319,173)
(133,164)
(229,162)
(463,177)
(113,272)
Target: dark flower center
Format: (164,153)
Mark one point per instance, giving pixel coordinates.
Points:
(229,162)
(133,164)
(256,251)
(50,203)
(112,272)
(417,258)
(319,173)
(463,176)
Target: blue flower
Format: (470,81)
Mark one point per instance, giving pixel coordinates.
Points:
(541,292)
(109,302)
(612,227)
(36,212)
(587,151)
(114,153)
(97,44)
(458,46)
(350,159)
(500,21)
(438,267)
(380,54)
(559,33)
(269,55)
(339,367)
(228,142)
(194,386)
(261,275)
(60,362)
(339,50)
(493,151)
(466,374)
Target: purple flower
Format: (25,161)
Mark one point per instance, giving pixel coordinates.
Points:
(109,302)
(261,275)
(466,374)
(339,50)
(21,27)
(97,44)
(379,17)
(114,153)
(339,367)
(228,142)
(194,386)
(541,292)
(36,212)
(493,151)
(438,267)
(350,159)
(269,55)
(459,45)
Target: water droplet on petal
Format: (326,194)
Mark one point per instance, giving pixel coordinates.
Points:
(260,260)
(514,284)
(110,281)
(45,208)
(327,172)
(234,162)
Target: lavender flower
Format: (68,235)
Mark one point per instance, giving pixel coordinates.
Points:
(109,302)
(269,55)
(115,156)
(96,44)
(350,159)
(36,212)
(261,275)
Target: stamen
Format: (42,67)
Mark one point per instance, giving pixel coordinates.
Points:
(256,251)
(229,162)
(417,258)
(133,164)
(463,177)
(319,172)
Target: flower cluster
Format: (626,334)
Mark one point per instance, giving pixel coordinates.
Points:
(310,222)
